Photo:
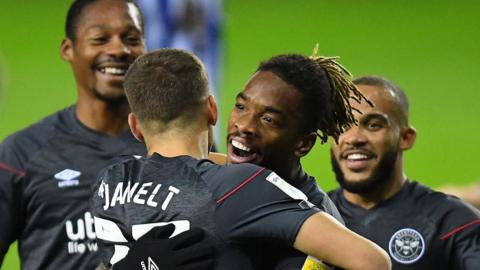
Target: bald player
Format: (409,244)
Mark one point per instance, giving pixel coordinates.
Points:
(418,227)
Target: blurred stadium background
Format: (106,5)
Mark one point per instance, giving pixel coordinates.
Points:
(430,48)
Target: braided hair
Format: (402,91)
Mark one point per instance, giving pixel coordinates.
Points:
(327,87)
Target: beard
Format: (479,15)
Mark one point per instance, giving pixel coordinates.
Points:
(380,175)
(110,99)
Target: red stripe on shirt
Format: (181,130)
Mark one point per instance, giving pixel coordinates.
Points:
(11,169)
(246,181)
(461,228)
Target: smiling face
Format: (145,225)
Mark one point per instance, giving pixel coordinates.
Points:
(369,154)
(264,126)
(108,38)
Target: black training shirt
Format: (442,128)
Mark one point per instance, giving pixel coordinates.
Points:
(46,172)
(233,203)
(419,228)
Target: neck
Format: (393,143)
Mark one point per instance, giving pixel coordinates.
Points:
(177,143)
(383,192)
(101,116)
(291,172)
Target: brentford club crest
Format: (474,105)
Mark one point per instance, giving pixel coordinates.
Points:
(406,246)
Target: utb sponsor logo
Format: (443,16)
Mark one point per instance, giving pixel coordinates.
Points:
(81,233)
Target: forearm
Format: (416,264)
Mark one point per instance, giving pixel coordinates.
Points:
(326,239)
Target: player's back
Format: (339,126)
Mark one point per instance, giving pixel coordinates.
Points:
(234,204)
(138,194)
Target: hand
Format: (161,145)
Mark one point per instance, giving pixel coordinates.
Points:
(186,251)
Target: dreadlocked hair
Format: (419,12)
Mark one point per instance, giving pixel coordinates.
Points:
(327,87)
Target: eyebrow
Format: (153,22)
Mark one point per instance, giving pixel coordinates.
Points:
(376,116)
(269,109)
(105,27)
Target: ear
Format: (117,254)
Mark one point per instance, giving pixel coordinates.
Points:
(408,138)
(66,49)
(212,111)
(305,144)
(135,127)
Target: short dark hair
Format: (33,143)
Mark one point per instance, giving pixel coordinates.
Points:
(384,83)
(165,85)
(326,86)
(75,11)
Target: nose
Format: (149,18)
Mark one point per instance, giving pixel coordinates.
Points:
(246,124)
(117,47)
(353,136)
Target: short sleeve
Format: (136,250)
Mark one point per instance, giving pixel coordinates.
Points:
(260,204)
(467,247)
(11,176)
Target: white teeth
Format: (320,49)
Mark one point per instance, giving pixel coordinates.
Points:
(113,70)
(357,156)
(240,146)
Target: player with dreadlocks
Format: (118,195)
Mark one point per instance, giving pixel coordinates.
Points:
(289,102)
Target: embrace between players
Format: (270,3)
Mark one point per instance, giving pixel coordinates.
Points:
(263,216)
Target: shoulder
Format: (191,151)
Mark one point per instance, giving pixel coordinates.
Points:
(334,195)
(234,174)
(239,172)
(438,201)
(17,148)
(449,211)
(122,165)
(124,168)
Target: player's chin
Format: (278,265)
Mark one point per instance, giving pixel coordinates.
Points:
(356,177)
(110,94)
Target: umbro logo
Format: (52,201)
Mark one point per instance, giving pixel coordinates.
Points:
(151,265)
(68,178)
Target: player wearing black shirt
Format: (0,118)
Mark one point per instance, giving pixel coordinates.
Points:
(275,120)
(139,194)
(47,169)
(172,112)
(50,167)
(419,228)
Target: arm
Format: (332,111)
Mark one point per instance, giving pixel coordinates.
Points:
(8,214)
(10,174)
(461,237)
(326,239)
(264,206)
(467,249)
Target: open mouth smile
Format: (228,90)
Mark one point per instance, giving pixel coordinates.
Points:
(113,71)
(239,152)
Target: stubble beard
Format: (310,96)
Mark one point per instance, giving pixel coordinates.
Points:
(116,99)
(380,175)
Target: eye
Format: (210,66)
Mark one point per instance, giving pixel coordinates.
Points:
(374,126)
(271,121)
(267,119)
(99,40)
(239,107)
(133,40)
